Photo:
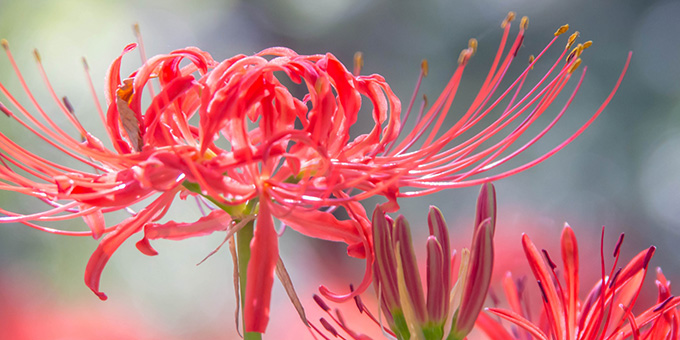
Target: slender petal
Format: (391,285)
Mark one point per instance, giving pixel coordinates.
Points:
(264,249)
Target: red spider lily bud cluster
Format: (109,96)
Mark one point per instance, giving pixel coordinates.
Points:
(409,312)
(605,313)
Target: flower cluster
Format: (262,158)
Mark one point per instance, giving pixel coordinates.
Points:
(234,135)
(606,312)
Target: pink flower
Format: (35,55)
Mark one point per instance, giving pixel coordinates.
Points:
(258,152)
(606,312)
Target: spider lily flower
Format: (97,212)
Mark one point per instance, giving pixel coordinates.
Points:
(258,152)
(667,325)
(606,312)
(412,313)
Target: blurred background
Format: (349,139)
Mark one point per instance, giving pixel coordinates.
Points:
(622,173)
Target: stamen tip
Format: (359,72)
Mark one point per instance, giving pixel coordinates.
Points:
(87,67)
(464,56)
(572,38)
(562,29)
(5,110)
(574,66)
(135,28)
(531,62)
(472,44)
(587,44)
(508,19)
(524,24)
(424,67)
(5,44)
(358,62)
(36,54)
(67,104)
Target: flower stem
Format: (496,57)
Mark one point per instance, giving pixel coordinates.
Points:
(243,238)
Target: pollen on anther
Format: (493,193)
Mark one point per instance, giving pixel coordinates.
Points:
(4,43)
(562,29)
(509,18)
(524,24)
(424,67)
(573,67)
(531,61)
(587,44)
(576,52)
(571,40)
(472,44)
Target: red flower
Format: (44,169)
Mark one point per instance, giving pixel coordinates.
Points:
(257,149)
(606,313)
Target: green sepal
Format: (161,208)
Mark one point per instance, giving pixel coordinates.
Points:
(400,327)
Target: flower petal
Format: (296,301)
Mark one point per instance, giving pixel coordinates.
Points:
(264,250)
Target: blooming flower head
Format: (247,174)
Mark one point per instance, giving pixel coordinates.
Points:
(412,313)
(606,312)
(234,136)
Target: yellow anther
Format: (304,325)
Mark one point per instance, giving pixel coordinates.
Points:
(36,54)
(571,40)
(125,90)
(574,52)
(5,44)
(575,65)
(135,28)
(524,24)
(587,44)
(562,29)
(209,154)
(358,61)
(472,44)
(424,67)
(509,18)
(531,61)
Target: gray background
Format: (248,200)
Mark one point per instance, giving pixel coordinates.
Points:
(621,173)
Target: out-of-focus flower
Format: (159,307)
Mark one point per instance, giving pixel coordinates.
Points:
(259,152)
(412,313)
(606,312)
(31,310)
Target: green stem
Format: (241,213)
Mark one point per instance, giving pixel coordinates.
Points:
(243,238)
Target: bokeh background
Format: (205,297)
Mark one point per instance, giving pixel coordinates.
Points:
(622,173)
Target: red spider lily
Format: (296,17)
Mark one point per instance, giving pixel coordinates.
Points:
(259,152)
(606,313)
(410,312)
